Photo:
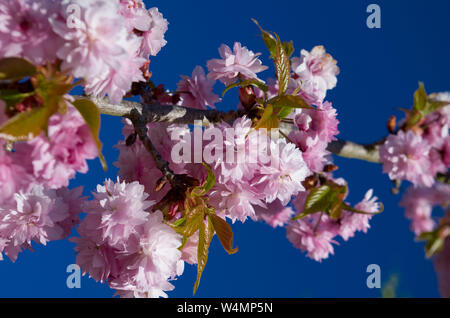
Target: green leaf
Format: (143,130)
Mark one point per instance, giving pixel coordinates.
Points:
(184,241)
(434,246)
(282,67)
(288,48)
(204,240)
(13,69)
(389,289)
(318,200)
(91,115)
(336,209)
(208,184)
(26,125)
(269,40)
(251,82)
(423,106)
(290,101)
(268,120)
(316,195)
(13,97)
(284,112)
(435,241)
(191,225)
(224,233)
(179,222)
(433,106)
(420,98)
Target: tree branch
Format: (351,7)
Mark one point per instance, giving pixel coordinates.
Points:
(140,127)
(183,115)
(349,149)
(173,114)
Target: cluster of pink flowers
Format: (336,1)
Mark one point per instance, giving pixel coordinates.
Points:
(126,244)
(314,73)
(417,156)
(316,128)
(34,203)
(316,233)
(37,215)
(419,203)
(256,189)
(105,42)
(256,181)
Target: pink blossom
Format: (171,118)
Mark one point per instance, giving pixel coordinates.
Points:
(25,30)
(97,42)
(121,207)
(197,91)
(98,260)
(235,200)
(240,150)
(189,251)
(124,243)
(316,73)
(316,232)
(13,176)
(135,14)
(34,216)
(317,127)
(446,150)
(282,177)
(74,201)
(418,207)
(353,222)
(3,243)
(313,234)
(317,241)
(116,82)
(419,203)
(314,150)
(405,156)
(156,260)
(57,158)
(321,122)
(136,164)
(153,37)
(240,61)
(276,214)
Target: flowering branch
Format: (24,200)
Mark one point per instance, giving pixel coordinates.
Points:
(183,115)
(145,235)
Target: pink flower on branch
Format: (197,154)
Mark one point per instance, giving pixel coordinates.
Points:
(126,244)
(405,156)
(315,73)
(197,91)
(239,62)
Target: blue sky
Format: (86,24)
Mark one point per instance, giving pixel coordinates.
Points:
(380,69)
